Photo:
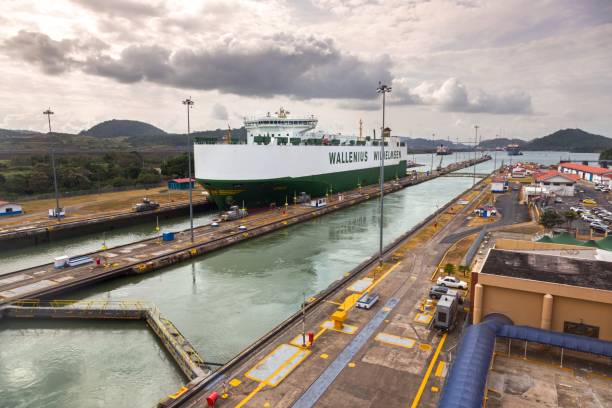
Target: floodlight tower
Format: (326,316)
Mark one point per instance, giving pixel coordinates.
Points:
(57,211)
(189,104)
(382,89)
(475,147)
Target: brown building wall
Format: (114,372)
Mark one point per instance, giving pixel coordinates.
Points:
(585,311)
(521,300)
(523,308)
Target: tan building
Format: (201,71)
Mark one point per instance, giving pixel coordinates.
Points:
(552,292)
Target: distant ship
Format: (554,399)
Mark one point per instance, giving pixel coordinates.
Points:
(514,150)
(443,150)
(284,157)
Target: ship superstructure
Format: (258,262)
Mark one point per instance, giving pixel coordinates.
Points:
(514,150)
(443,150)
(285,156)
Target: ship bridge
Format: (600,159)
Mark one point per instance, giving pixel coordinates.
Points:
(278,126)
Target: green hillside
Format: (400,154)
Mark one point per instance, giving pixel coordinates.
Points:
(573,140)
(116,128)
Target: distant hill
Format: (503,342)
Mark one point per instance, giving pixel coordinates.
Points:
(420,144)
(17,134)
(117,128)
(573,140)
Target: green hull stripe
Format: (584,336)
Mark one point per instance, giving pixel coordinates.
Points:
(259,193)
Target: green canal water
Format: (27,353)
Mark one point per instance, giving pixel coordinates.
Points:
(221,302)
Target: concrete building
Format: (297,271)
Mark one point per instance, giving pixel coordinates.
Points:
(7,209)
(554,182)
(589,173)
(548,291)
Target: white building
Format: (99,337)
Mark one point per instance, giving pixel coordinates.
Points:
(589,173)
(7,209)
(554,182)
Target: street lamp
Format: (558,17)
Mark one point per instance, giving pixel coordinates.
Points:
(382,89)
(57,211)
(189,104)
(475,147)
(433,144)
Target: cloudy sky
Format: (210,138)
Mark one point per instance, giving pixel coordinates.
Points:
(518,68)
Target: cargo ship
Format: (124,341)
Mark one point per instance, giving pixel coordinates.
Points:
(284,157)
(513,150)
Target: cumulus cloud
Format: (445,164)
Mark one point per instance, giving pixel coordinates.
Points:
(219,112)
(53,57)
(301,67)
(453,96)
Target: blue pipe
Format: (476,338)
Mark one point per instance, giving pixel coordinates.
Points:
(467,378)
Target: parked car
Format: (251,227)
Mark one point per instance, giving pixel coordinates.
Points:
(451,282)
(437,291)
(600,228)
(558,200)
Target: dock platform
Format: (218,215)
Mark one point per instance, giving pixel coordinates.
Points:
(39,232)
(183,353)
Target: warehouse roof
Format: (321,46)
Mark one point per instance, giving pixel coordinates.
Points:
(548,268)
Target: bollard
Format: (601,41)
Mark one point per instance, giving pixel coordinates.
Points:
(212,399)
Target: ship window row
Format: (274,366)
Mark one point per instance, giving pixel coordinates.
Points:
(283,122)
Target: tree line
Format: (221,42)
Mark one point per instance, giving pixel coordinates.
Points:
(33,175)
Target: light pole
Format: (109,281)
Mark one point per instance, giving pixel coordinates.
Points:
(475,147)
(189,103)
(433,145)
(495,155)
(382,89)
(57,211)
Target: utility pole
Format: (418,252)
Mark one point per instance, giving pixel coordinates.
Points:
(382,89)
(495,155)
(475,147)
(433,145)
(189,103)
(57,211)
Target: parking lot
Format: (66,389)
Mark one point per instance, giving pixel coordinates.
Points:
(584,191)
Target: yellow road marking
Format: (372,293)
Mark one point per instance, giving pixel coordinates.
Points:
(320,332)
(384,275)
(265,382)
(419,393)
(440,369)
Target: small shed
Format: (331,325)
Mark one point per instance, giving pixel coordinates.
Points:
(180,184)
(7,209)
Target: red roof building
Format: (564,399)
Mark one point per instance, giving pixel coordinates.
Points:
(589,173)
(547,175)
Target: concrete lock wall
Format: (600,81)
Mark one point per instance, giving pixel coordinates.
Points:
(545,305)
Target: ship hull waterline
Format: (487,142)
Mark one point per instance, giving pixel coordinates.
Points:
(278,191)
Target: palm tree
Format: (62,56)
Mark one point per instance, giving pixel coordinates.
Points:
(570,216)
